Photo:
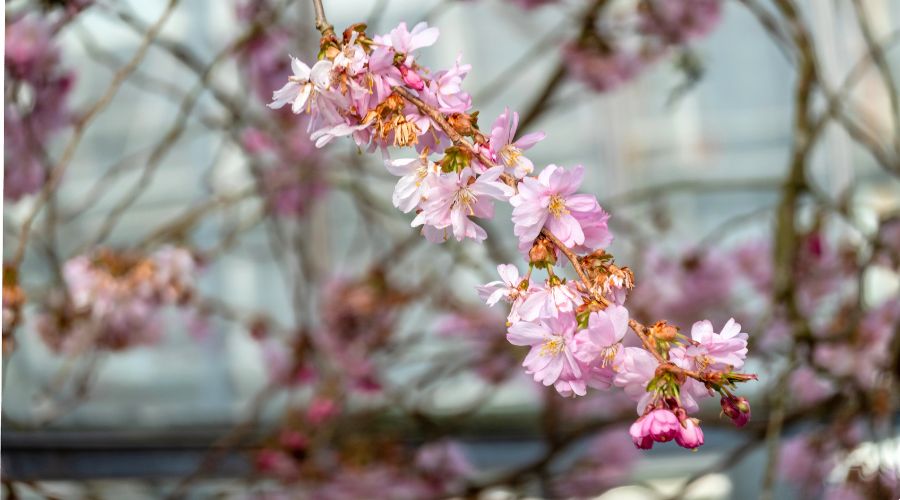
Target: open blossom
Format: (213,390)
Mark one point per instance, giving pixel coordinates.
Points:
(551,343)
(549,301)
(507,288)
(509,151)
(717,351)
(404,41)
(602,339)
(634,370)
(550,201)
(452,198)
(410,188)
(302,84)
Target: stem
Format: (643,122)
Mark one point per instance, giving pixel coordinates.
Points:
(322,24)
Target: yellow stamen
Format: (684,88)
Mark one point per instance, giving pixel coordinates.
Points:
(552,346)
(558,206)
(510,155)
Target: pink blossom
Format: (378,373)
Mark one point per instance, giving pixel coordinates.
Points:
(690,434)
(404,41)
(303,84)
(594,225)
(447,91)
(411,78)
(635,367)
(659,425)
(509,151)
(410,188)
(737,409)
(555,299)
(718,351)
(451,199)
(507,288)
(550,201)
(551,343)
(603,336)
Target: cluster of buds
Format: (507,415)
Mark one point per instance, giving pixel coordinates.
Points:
(114,299)
(374,90)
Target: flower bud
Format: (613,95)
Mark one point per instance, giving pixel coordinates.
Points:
(455,159)
(737,409)
(463,123)
(690,435)
(664,331)
(411,78)
(659,425)
(542,253)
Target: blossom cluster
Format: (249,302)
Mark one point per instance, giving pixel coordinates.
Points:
(374,91)
(115,299)
(35,106)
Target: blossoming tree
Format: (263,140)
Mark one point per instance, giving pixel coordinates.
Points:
(616,352)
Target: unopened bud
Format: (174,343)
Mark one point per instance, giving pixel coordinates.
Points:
(411,78)
(541,253)
(463,123)
(455,159)
(664,331)
(737,409)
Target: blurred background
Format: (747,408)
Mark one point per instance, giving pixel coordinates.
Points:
(290,246)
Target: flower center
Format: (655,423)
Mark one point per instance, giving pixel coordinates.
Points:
(406,133)
(466,200)
(558,206)
(552,346)
(421,174)
(608,354)
(510,155)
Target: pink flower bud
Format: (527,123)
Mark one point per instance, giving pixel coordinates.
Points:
(691,435)
(658,425)
(638,437)
(737,409)
(412,79)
